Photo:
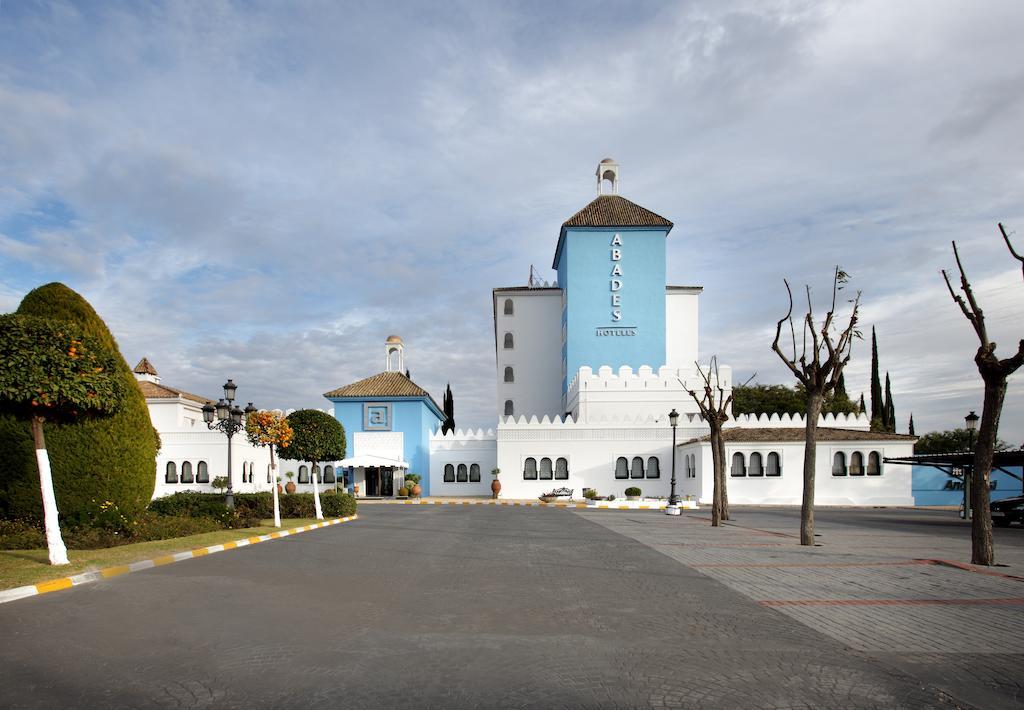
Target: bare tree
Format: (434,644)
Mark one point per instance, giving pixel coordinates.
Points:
(715,407)
(818,376)
(994,373)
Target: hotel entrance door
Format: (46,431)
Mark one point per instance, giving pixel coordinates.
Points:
(380,481)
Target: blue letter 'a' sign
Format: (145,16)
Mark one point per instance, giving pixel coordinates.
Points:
(377,417)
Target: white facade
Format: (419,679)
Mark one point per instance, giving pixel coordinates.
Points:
(191,455)
(611,430)
(527,324)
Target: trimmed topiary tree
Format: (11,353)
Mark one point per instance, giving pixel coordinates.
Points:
(317,437)
(111,459)
(51,372)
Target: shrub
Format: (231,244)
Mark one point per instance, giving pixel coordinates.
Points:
(192,504)
(337,505)
(590,494)
(632,491)
(21,535)
(104,459)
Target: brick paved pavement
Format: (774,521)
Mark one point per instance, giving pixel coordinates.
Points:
(435,607)
(871,584)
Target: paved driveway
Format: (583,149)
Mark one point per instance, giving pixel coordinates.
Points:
(432,607)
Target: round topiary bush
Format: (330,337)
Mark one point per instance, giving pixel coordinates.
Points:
(111,459)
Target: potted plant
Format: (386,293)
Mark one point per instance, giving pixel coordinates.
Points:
(290,486)
(632,493)
(414,489)
(495,484)
(280,490)
(403,492)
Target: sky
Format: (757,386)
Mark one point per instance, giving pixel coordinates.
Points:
(266,191)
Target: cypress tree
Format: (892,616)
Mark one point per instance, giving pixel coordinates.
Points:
(863,409)
(910,429)
(877,410)
(111,459)
(889,418)
(449,411)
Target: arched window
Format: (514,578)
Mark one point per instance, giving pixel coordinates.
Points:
(774,465)
(202,473)
(738,466)
(839,464)
(509,308)
(621,467)
(303,474)
(856,464)
(561,469)
(172,473)
(509,341)
(756,467)
(186,472)
(510,376)
(545,469)
(462,473)
(329,474)
(636,468)
(474,473)
(653,468)
(874,464)
(530,469)
(449,473)
(508,408)
(316,474)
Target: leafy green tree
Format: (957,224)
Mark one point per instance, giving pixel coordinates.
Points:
(779,399)
(317,437)
(93,459)
(951,441)
(50,371)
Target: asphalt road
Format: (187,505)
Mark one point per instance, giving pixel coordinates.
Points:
(431,607)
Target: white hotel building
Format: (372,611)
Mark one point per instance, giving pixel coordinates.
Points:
(588,369)
(587,372)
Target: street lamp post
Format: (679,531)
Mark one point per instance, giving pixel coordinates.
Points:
(228,417)
(972,423)
(673,500)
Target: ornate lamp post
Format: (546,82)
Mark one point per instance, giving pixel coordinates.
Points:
(971,420)
(673,500)
(229,418)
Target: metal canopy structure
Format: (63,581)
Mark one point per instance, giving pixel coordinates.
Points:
(954,464)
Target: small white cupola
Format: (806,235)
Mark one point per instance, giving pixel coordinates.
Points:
(145,372)
(607,170)
(394,352)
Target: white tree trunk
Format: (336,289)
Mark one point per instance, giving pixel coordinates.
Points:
(277,504)
(54,541)
(316,499)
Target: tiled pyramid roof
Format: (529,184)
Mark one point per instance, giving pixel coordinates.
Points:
(615,211)
(383,384)
(151,390)
(145,367)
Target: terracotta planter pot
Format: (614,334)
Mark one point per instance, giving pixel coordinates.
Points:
(416,491)
(289,487)
(279,489)
(495,488)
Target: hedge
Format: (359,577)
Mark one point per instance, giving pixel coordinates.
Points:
(111,459)
(255,505)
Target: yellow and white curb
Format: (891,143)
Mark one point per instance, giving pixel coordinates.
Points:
(55,585)
(656,505)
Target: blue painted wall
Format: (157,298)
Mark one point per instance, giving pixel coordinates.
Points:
(933,487)
(585,267)
(414,417)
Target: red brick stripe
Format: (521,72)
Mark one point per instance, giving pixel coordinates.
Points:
(893,602)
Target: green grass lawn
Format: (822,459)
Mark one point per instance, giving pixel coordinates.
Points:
(21,567)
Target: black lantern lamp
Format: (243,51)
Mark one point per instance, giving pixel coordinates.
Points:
(228,418)
(673,500)
(971,421)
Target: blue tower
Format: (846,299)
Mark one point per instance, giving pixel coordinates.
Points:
(610,260)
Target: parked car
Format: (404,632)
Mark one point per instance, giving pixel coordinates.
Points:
(1007,510)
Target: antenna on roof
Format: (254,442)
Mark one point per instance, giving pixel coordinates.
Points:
(534,280)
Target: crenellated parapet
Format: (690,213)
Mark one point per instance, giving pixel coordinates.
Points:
(644,378)
(832,421)
(463,435)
